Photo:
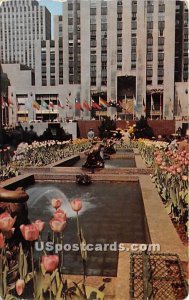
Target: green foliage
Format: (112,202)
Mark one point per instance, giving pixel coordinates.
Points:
(143,130)
(106,126)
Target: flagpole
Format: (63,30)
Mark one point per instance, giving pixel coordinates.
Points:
(160,106)
(151,105)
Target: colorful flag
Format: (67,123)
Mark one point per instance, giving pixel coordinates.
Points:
(120,104)
(86,105)
(144,106)
(128,106)
(135,104)
(60,104)
(170,106)
(44,104)
(67,102)
(10,102)
(102,102)
(152,103)
(51,104)
(2,103)
(78,105)
(36,105)
(180,107)
(95,105)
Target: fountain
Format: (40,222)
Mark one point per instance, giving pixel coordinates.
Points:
(110,213)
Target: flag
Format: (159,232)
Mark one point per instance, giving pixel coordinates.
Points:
(44,104)
(170,106)
(78,105)
(60,104)
(51,104)
(86,105)
(95,105)
(152,103)
(135,104)
(180,107)
(144,106)
(102,102)
(68,103)
(36,105)
(120,104)
(10,102)
(2,103)
(128,106)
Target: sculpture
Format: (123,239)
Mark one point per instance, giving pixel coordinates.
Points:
(94,159)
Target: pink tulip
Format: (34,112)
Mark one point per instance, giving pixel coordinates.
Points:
(30,232)
(179,170)
(184,177)
(2,241)
(20,285)
(76,205)
(6,221)
(40,225)
(50,262)
(60,214)
(56,203)
(57,225)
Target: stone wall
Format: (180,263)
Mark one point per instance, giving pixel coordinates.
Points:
(160,127)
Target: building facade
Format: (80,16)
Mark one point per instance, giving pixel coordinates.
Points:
(129,38)
(21,23)
(118,49)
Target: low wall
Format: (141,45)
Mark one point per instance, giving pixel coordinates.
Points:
(18,181)
(70,127)
(160,127)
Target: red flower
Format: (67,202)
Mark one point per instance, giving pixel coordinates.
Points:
(60,214)
(57,225)
(30,232)
(2,241)
(56,203)
(76,205)
(40,225)
(50,262)
(6,221)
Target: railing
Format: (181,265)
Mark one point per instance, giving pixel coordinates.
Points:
(156,277)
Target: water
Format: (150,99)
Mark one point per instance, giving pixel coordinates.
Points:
(112,163)
(111,213)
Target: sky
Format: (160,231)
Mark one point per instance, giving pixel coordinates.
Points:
(55,8)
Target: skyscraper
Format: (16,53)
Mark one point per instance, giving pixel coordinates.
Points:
(121,40)
(21,23)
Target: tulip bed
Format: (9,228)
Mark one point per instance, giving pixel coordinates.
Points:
(7,172)
(44,275)
(170,175)
(43,153)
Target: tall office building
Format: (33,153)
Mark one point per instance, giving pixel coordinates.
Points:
(21,23)
(116,49)
(128,47)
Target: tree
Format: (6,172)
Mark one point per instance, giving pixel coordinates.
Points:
(106,126)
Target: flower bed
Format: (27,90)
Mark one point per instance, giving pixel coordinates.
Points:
(170,174)
(43,153)
(23,275)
